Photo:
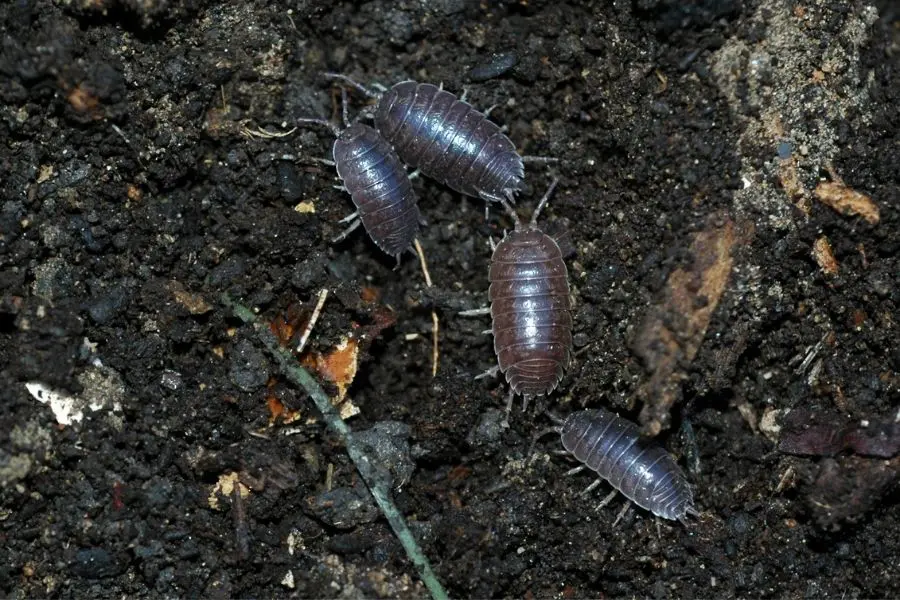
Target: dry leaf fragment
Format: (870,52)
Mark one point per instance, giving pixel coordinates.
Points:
(340,365)
(277,410)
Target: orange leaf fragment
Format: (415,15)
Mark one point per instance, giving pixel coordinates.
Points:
(340,365)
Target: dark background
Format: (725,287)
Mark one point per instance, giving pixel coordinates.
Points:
(130,200)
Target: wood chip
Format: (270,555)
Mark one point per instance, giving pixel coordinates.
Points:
(672,331)
(847,201)
(824,256)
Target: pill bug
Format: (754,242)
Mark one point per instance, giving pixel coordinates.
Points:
(377,181)
(637,467)
(530,309)
(447,139)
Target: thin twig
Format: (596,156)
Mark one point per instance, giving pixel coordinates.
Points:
(435,325)
(323,293)
(364,464)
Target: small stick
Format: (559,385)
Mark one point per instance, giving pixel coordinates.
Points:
(435,325)
(323,293)
(241,530)
(329,477)
(357,451)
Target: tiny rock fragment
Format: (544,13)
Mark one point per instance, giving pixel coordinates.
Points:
(134,193)
(348,409)
(194,303)
(769,424)
(847,201)
(225,488)
(45,173)
(288,580)
(305,207)
(824,256)
(746,410)
(65,408)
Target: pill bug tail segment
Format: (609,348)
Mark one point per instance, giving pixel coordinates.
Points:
(690,510)
(352,83)
(543,202)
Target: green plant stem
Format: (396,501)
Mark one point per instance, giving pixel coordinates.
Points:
(380,492)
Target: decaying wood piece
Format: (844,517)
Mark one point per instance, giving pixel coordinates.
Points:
(672,331)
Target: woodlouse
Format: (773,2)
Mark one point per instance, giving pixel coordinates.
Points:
(637,467)
(447,139)
(377,181)
(530,308)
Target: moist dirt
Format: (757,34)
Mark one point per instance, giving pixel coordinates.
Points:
(150,447)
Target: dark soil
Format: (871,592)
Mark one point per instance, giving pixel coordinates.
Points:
(130,201)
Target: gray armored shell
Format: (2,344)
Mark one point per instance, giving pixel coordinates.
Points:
(379,186)
(532,322)
(448,140)
(642,470)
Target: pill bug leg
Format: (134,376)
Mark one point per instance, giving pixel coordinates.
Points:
(492,372)
(543,202)
(557,429)
(355,85)
(540,159)
(622,513)
(353,227)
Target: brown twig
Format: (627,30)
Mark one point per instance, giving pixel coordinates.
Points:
(435,325)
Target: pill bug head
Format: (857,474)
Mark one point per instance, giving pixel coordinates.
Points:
(390,113)
(575,426)
(347,144)
(350,144)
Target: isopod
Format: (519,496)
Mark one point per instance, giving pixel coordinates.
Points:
(447,139)
(637,467)
(530,309)
(378,184)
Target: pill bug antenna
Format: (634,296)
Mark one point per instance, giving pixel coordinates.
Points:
(511,211)
(334,128)
(543,202)
(345,107)
(557,420)
(557,429)
(352,83)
